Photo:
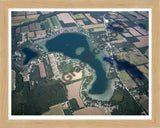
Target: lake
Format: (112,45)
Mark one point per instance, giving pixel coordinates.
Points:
(68,43)
(30,54)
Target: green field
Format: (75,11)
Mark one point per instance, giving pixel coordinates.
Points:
(117,96)
(23,20)
(99,29)
(50,23)
(55,21)
(13,79)
(124,76)
(78,16)
(45,23)
(55,110)
(35,75)
(133,57)
(93,26)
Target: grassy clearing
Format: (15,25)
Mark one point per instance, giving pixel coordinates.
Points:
(35,75)
(55,21)
(45,24)
(118,96)
(78,16)
(55,110)
(124,76)
(133,57)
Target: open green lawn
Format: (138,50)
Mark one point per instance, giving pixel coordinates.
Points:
(55,21)
(124,76)
(54,110)
(45,23)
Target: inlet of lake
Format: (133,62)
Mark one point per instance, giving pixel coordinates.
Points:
(30,54)
(67,43)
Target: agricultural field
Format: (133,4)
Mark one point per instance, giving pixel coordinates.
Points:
(31,34)
(144,101)
(93,20)
(19,21)
(143,42)
(117,96)
(98,29)
(73,92)
(90,111)
(48,68)
(45,24)
(55,110)
(55,21)
(93,26)
(50,23)
(144,70)
(78,16)
(124,76)
(130,84)
(80,22)
(132,57)
(32,16)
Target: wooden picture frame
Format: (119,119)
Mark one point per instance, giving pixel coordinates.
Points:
(4,61)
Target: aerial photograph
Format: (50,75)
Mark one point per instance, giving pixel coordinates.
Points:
(79,63)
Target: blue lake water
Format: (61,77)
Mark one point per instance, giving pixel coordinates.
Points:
(67,43)
(30,54)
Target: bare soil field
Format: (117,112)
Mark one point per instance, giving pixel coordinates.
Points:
(93,20)
(41,33)
(90,111)
(127,35)
(31,34)
(66,18)
(80,22)
(134,32)
(41,69)
(18,17)
(73,92)
(143,41)
(143,31)
(32,16)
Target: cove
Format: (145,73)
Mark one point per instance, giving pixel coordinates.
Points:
(67,43)
(29,55)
